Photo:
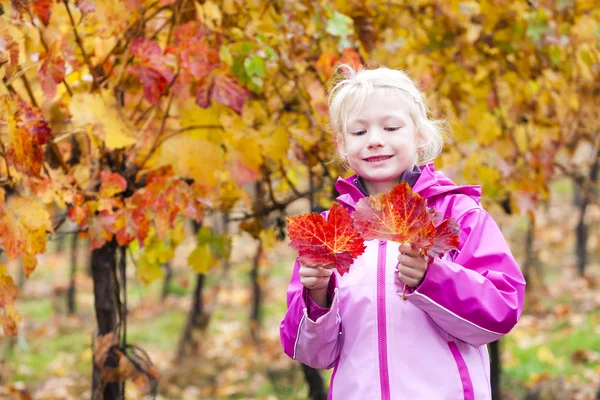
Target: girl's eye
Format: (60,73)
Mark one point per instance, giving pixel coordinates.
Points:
(358,133)
(392,128)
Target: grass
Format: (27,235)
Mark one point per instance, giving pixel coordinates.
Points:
(555,357)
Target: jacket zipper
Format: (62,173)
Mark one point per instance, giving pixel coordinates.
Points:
(381,323)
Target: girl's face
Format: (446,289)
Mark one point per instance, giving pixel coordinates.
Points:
(381,141)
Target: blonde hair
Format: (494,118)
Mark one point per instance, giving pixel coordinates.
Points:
(351,91)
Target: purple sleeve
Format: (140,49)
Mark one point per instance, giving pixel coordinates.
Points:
(477,297)
(309,333)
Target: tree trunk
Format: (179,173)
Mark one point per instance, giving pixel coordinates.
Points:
(583,200)
(316,387)
(495,369)
(255,313)
(71,291)
(195,316)
(103,263)
(194,320)
(168,279)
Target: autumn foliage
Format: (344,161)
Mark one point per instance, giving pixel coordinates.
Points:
(123,119)
(403,216)
(329,242)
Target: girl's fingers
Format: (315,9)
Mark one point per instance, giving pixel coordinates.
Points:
(407,249)
(315,272)
(412,262)
(408,272)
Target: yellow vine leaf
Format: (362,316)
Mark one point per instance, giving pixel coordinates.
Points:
(8,290)
(148,271)
(201,258)
(198,159)
(29,263)
(10,321)
(209,13)
(101,112)
(202,123)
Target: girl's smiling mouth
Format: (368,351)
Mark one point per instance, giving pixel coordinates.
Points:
(377,158)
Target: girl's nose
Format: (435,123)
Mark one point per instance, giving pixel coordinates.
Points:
(375,139)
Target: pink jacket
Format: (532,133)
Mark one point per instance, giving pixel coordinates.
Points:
(432,346)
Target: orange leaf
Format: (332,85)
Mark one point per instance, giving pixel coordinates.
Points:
(42,9)
(325,64)
(8,290)
(112,184)
(9,52)
(52,71)
(101,229)
(351,57)
(13,235)
(10,321)
(403,216)
(399,215)
(27,133)
(29,263)
(331,242)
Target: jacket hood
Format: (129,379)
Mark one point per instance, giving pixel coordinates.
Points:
(431,183)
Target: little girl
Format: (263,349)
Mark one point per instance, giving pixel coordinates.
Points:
(432,346)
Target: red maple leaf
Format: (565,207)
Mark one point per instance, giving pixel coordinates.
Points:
(222,87)
(332,242)
(9,52)
(52,70)
(42,9)
(111,184)
(399,215)
(153,69)
(445,239)
(26,136)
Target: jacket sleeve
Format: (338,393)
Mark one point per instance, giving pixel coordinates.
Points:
(309,333)
(477,297)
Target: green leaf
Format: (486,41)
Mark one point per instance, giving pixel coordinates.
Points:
(225,55)
(271,53)
(255,66)
(340,25)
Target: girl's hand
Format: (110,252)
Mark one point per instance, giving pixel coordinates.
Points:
(411,265)
(316,279)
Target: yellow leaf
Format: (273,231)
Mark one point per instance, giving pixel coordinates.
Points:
(148,271)
(31,213)
(275,143)
(201,259)
(198,159)
(229,7)
(29,263)
(101,111)
(10,321)
(488,129)
(209,13)
(8,290)
(268,238)
(35,242)
(202,123)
